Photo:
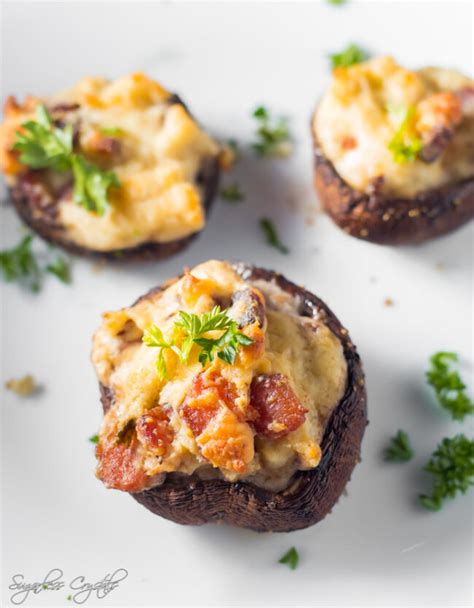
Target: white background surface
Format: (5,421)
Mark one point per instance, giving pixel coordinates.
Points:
(378,547)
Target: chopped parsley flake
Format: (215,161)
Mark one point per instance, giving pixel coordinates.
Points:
(291,559)
(271,235)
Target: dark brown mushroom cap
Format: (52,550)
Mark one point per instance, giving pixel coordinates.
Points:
(39,212)
(186,499)
(391,221)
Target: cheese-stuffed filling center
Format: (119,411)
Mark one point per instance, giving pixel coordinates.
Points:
(215,376)
(396,132)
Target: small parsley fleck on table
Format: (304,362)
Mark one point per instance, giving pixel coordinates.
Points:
(19,264)
(271,235)
(272,135)
(449,388)
(351,55)
(232,193)
(94,438)
(291,559)
(400,449)
(452,468)
(60,268)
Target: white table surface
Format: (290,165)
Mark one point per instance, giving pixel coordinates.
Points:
(377,548)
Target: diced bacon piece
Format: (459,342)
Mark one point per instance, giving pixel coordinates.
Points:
(98,143)
(204,399)
(279,410)
(154,431)
(121,466)
(227,443)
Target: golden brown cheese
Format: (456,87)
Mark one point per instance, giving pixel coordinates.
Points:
(354,125)
(156,150)
(301,350)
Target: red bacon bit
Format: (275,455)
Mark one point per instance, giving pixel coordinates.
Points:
(279,409)
(154,431)
(121,466)
(348,142)
(203,400)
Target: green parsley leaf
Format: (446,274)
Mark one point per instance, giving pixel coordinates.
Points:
(349,56)
(44,146)
(60,268)
(153,337)
(41,145)
(336,2)
(94,439)
(232,193)
(19,264)
(400,449)
(273,138)
(111,131)
(195,327)
(452,468)
(271,234)
(291,559)
(91,185)
(405,144)
(449,388)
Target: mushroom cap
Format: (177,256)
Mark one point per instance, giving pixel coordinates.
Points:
(310,496)
(391,221)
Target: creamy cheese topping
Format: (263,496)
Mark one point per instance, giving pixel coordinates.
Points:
(357,119)
(153,145)
(295,364)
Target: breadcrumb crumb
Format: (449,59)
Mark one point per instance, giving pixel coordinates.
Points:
(23,387)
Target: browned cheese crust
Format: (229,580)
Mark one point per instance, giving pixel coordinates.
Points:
(391,221)
(311,494)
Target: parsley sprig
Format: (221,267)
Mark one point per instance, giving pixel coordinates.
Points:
(273,136)
(351,55)
(42,145)
(452,467)
(400,449)
(194,328)
(20,264)
(291,559)
(449,388)
(405,144)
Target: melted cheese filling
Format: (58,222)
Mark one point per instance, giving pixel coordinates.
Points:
(354,126)
(157,151)
(303,349)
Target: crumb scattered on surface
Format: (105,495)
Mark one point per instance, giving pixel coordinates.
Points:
(440,266)
(23,387)
(99,266)
(388,302)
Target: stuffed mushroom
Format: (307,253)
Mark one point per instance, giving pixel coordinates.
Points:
(394,151)
(113,169)
(230,395)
